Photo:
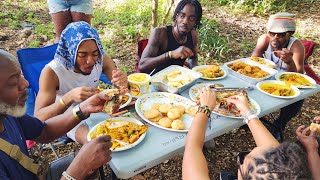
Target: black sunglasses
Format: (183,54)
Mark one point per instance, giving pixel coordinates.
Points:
(280,35)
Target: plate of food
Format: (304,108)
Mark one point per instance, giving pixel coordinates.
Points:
(278,89)
(195,90)
(174,79)
(117,102)
(222,108)
(211,72)
(263,61)
(167,111)
(125,132)
(296,79)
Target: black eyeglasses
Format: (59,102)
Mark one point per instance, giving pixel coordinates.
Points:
(240,159)
(280,35)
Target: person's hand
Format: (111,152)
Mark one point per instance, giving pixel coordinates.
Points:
(241,103)
(317,119)
(285,55)
(207,98)
(181,52)
(91,156)
(307,138)
(94,104)
(80,94)
(120,80)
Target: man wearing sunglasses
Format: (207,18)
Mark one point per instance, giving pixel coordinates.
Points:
(172,45)
(287,52)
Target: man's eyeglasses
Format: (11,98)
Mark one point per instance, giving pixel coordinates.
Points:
(240,159)
(280,35)
(182,15)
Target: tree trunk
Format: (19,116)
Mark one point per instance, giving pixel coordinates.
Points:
(167,12)
(155,14)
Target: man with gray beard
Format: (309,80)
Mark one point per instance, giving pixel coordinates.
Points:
(16,127)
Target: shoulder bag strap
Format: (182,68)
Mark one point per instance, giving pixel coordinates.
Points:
(14,152)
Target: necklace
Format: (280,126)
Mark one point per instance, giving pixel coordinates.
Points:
(176,37)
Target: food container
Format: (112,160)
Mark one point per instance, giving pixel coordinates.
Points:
(139,83)
(248,79)
(160,82)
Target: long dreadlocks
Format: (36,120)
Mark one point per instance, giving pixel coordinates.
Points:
(194,3)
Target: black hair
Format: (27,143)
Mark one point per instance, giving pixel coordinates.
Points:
(286,162)
(195,4)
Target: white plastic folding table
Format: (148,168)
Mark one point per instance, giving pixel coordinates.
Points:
(160,145)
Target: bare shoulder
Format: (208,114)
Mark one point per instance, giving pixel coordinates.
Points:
(297,46)
(158,37)
(195,35)
(48,73)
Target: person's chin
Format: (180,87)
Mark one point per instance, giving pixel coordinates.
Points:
(18,111)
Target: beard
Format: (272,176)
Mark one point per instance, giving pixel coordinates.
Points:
(15,111)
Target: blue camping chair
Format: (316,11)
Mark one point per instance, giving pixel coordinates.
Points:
(32,61)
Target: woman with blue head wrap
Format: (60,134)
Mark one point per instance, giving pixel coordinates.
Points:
(73,75)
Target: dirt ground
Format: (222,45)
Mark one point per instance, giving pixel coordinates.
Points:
(236,28)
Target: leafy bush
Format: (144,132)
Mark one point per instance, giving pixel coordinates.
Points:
(211,45)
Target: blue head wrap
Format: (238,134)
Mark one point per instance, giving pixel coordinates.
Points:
(70,40)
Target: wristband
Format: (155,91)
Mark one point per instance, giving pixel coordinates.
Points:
(63,103)
(248,116)
(204,109)
(77,113)
(170,55)
(67,176)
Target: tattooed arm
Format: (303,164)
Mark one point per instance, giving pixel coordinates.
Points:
(152,55)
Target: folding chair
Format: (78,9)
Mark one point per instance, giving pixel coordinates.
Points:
(32,61)
(141,45)
(309,45)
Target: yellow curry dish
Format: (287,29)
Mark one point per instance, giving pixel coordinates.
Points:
(262,61)
(211,72)
(277,89)
(125,131)
(295,80)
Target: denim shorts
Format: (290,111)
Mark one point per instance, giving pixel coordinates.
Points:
(83,6)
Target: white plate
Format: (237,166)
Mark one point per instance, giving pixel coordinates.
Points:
(268,62)
(295,89)
(144,103)
(105,91)
(194,90)
(255,108)
(312,81)
(123,119)
(206,66)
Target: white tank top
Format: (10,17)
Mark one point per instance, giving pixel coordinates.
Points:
(268,54)
(69,79)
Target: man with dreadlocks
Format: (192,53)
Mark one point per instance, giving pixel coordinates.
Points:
(172,45)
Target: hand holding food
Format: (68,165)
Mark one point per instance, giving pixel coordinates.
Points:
(285,55)
(315,124)
(94,104)
(181,52)
(241,103)
(307,137)
(207,98)
(120,80)
(80,94)
(91,156)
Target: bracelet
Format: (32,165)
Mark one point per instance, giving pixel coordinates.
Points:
(249,115)
(204,109)
(63,103)
(170,55)
(67,176)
